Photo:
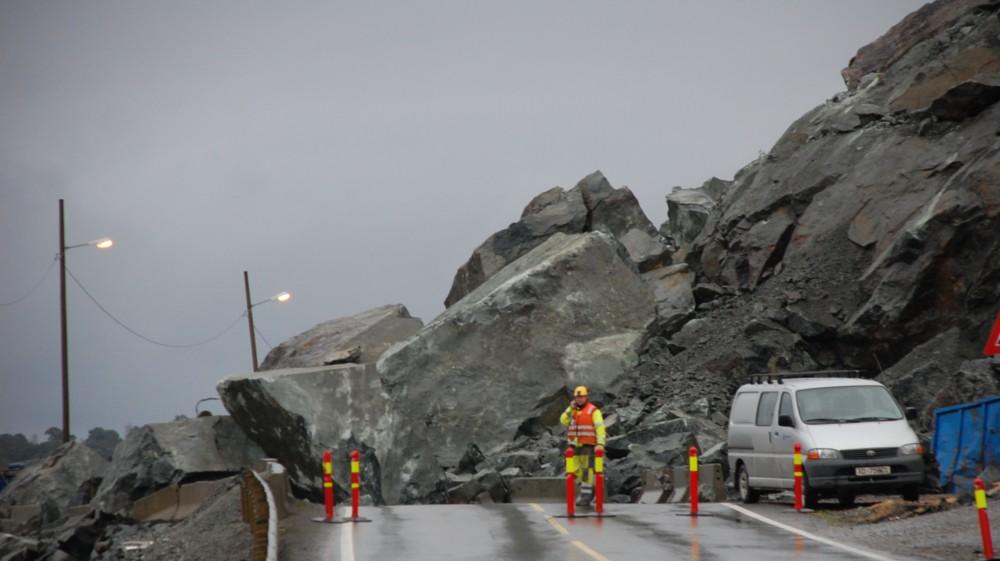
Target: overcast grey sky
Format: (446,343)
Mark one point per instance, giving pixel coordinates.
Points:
(353,153)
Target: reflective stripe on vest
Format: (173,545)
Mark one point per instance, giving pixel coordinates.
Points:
(581,426)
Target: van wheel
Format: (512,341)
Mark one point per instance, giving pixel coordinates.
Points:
(810,496)
(748,495)
(911,493)
(846,499)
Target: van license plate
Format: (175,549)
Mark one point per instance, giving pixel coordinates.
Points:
(874,470)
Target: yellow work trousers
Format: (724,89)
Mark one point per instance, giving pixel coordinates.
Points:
(584,464)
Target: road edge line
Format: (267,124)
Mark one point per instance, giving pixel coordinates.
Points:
(346,541)
(807,535)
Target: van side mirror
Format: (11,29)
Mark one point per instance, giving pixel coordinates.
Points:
(786,421)
(911,413)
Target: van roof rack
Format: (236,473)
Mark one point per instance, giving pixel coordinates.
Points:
(778,377)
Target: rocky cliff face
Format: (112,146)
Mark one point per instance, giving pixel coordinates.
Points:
(866,238)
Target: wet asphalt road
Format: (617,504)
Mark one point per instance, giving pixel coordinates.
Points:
(523,532)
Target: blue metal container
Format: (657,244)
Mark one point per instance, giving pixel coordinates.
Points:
(966,441)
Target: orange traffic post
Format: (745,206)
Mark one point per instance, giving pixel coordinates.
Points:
(355,483)
(328,484)
(570,484)
(984,519)
(797,473)
(599,479)
(693,467)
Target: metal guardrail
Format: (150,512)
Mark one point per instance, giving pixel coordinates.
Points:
(261,513)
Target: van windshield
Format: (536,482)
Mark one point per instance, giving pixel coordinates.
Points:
(847,404)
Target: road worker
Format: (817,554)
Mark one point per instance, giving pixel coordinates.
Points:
(586,434)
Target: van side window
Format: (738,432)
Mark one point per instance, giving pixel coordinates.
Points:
(744,407)
(785,408)
(765,410)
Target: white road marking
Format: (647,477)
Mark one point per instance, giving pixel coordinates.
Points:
(346,541)
(807,535)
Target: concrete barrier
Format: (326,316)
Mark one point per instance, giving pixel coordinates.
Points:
(176,502)
(712,488)
(538,489)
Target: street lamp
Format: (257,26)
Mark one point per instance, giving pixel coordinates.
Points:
(102,243)
(279,297)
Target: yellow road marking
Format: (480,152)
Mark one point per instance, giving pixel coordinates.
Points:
(555,524)
(562,530)
(586,549)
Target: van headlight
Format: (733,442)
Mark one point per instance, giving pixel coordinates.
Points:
(823,454)
(914,449)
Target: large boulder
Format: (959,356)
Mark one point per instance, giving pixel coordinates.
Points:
(161,454)
(572,311)
(593,205)
(360,338)
(68,477)
(296,414)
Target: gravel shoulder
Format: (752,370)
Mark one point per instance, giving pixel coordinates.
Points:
(949,535)
(214,532)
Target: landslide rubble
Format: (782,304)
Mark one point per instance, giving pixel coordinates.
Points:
(866,238)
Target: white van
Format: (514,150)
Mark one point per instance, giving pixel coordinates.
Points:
(854,435)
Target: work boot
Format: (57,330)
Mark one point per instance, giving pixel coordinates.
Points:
(586,495)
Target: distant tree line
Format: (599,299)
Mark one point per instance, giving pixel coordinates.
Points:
(19,448)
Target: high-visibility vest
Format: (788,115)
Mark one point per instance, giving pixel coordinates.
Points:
(581,426)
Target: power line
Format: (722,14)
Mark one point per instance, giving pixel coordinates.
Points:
(143,337)
(269,345)
(35,287)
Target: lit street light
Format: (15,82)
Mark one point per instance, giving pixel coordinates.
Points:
(280,297)
(102,243)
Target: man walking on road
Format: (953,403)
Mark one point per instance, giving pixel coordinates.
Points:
(586,434)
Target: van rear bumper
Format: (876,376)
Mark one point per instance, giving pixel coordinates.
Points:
(827,475)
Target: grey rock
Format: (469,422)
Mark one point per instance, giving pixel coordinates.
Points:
(592,205)
(296,414)
(811,322)
(487,486)
(765,243)
(674,295)
(524,460)
(161,454)
(361,338)
(512,346)
(934,375)
(67,477)
(689,211)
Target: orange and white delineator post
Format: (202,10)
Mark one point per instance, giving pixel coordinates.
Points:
(570,484)
(355,483)
(797,473)
(693,468)
(599,479)
(328,484)
(984,519)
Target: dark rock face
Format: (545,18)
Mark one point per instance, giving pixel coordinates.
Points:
(916,27)
(161,454)
(573,310)
(592,206)
(360,338)
(879,202)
